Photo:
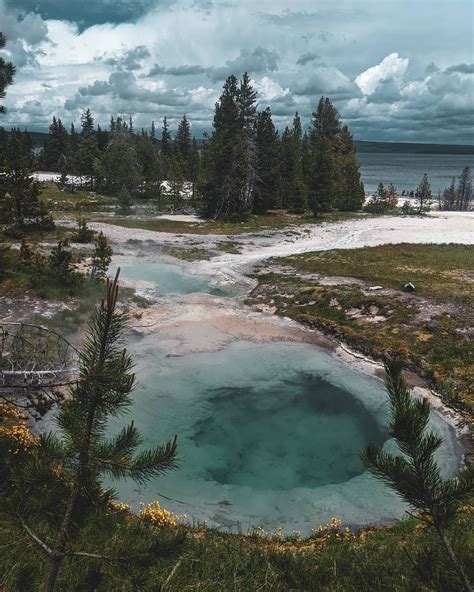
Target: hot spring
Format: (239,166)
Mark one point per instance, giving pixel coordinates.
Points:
(269,435)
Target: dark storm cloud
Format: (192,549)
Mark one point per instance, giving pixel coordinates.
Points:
(185,70)
(88,12)
(389,77)
(123,85)
(462,68)
(130,60)
(260,60)
(307,57)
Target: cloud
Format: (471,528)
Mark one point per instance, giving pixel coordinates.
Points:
(258,61)
(309,56)
(185,70)
(86,12)
(325,80)
(462,68)
(156,57)
(391,66)
(130,60)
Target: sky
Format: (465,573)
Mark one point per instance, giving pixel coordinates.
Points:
(397,70)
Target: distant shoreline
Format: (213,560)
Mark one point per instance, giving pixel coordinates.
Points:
(362,146)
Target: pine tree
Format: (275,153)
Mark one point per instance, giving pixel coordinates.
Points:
(148,157)
(56,151)
(227,180)
(449,198)
(325,122)
(194,168)
(120,163)
(60,260)
(124,202)
(176,179)
(423,196)
(7,71)
(101,257)
(378,202)
(464,193)
(351,194)
(323,190)
(20,204)
(81,446)
(247,104)
(415,475)
(182,146)
(87,150)
(166,146)
(293,188)
(267,193)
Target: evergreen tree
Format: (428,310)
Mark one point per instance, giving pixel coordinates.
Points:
(148,157)
(166,146)
(7,71)
(423,196)
(81,446)
(247,104)
(56,151)
(415,475)
(194,168)
(73,140)
(325,122)
(20,204)
(102,138)
(449,197)
(464,190)
(120,163)
(101,257)
(124,202)
(293,188)
(351,194)
(87,150)
(176,178)
(183,145)
(268,163)
(323,190)
(226,181)
(306,157)
(383,200)
(60,260)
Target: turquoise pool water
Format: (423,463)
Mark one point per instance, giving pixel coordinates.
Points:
(171,278)
(268,435)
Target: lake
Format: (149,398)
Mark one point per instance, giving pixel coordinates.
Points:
(405,170)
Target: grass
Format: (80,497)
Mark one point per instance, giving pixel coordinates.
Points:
(79,201)
(445,272)
(189,253)
(255,223)
(443,353)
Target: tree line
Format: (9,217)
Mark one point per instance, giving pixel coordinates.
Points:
(245,166)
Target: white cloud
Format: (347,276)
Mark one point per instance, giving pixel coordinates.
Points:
(268,89)
(391,67)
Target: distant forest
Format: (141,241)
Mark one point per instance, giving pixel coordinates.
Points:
(39,138)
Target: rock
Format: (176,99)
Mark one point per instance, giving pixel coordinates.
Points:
(433,326)
(373,288)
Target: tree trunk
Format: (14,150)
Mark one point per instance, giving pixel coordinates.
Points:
(59,552)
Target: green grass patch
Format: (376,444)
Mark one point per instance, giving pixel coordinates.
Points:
(78,201)
(445,272)
(378,324)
